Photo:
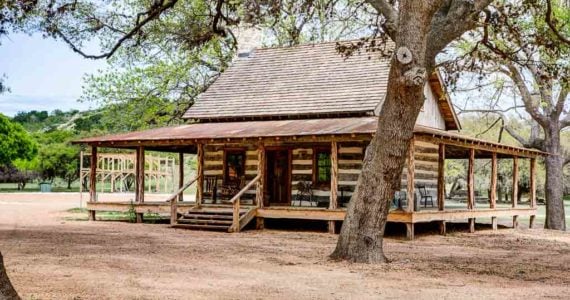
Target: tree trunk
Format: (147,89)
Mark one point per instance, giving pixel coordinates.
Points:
(362,232)
(7,291)
(554,183)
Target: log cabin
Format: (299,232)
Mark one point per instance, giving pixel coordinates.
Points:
(281,134)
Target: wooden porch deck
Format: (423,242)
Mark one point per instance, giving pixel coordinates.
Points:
(325,214)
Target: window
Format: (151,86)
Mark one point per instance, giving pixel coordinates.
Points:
(322,168)
(234,166)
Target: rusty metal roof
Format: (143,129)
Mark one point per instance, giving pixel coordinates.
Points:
(189,134)
(246,129)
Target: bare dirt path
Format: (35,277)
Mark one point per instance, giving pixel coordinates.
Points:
(49,257)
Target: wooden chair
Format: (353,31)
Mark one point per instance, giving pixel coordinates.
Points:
(425,196)
(211,189)
(305,193)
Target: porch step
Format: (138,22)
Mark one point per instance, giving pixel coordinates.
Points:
(208,218)
(202,227)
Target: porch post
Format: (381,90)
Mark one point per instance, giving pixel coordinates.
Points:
(493,196)
(260,171)
(200,173)
(93,181)
(410,176)
(515,188)
(532,189)
(181,175)
(410,188)
(441,186)
(259,191)
(441,178)
(139,183)
(334,183)
(471,187)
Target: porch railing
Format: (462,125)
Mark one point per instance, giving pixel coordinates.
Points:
(235,201)
(174,201)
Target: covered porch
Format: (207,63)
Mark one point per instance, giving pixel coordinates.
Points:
(272,160)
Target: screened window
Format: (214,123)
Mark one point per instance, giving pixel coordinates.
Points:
(322,167)
(234,166)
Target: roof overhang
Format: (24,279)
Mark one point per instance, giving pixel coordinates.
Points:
(185,137)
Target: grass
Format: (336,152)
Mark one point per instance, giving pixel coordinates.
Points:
(80,214)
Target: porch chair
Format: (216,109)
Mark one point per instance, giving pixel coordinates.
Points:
(211,189)
(425,196)
(304,193)
(232,188)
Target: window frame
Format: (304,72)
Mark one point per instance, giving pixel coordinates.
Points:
(316,183)
(225,175)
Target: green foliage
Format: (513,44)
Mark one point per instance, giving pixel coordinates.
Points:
(15,142)
(57,157)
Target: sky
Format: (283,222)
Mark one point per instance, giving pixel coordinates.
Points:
(42,74)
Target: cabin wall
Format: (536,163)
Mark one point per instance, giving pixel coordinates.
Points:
(350,157)
(214,164)
(430,115)
(426,156)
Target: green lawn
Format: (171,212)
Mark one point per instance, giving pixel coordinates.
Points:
(80,214)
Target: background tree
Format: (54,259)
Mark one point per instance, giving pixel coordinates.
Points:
(522,46)
(15,143)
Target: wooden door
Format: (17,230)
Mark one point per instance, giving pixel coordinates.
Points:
(278,178)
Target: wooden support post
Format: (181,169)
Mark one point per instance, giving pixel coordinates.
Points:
(531,221)
(441,178)
(442,228)
(410,178)
(139,172)
(93,181)
(259,223)
(236,216)
(533,182)
(259,191)
(494,171)
(515,222)
(515,181)
(139,183)
(333,204)
(410,231)
(471,180)
(181,175)
(200,174)
(494,223)
(472,225)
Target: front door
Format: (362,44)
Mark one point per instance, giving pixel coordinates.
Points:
(278,178)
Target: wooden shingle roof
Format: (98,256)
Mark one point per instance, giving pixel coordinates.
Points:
(301,81)
(306,81)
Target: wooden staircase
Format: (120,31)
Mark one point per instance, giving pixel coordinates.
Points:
(214,218)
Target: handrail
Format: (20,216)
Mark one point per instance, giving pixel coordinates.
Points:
(173,202)
(245,188)
(182,189)
(236,204)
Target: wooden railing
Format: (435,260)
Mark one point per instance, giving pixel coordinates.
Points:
(236,204)
(174,201)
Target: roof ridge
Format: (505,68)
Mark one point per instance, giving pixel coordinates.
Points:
(310,44)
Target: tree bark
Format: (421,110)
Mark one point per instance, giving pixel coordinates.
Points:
(361,236)
(7,291)
(554,163)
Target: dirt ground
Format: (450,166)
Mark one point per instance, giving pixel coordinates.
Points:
(49,257)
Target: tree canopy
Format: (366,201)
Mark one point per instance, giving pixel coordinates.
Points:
(15,142)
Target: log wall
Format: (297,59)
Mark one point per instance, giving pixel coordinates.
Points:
(350,157)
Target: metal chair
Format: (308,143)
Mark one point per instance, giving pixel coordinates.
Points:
(425,196)
(304,193)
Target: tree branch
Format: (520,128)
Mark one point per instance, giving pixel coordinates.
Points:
(452,20)
(531,106)
(153,13)
(551,24)
(390,14)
